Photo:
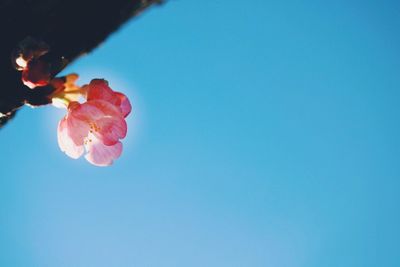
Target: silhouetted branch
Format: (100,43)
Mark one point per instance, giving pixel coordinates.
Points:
(70,28)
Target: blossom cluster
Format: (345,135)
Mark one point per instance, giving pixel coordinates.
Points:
(95,122)
(97,125)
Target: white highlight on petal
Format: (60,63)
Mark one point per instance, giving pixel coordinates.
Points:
(66,143)
(59,103)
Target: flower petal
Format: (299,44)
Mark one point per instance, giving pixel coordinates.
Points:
(93,110)
(108,109)
(85,112)
(110,129)
(66,143)
(77,123)
(99,89)
(98,117)
(101,155)
(125,104)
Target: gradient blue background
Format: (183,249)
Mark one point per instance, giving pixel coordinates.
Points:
(264,133)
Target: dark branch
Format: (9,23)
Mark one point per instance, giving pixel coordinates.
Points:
(70,27)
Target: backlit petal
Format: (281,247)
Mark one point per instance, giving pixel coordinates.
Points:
(78,126)
(98,89)
(101,155)
(105,107)
(65,142)
(125,104)
(110,129)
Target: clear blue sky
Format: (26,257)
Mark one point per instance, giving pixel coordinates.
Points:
(264,134)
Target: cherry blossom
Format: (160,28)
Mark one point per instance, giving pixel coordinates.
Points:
(95,121)
(96,125)
(99,89)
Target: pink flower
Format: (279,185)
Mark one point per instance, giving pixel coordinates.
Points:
(96,126)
